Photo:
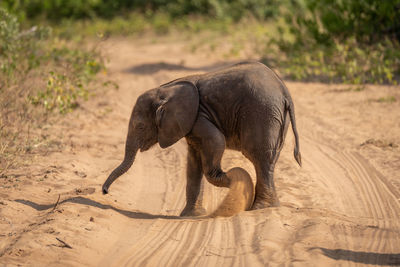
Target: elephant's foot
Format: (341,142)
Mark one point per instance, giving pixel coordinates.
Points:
(193,211)
(262,203)
(218,178)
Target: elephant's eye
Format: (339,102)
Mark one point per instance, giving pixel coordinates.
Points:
(140,126)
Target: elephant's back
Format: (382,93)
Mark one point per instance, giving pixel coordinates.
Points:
(244,86)
(245,79)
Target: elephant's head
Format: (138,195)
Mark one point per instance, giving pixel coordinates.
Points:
(162,115)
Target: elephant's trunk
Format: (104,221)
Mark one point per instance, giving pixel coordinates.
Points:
(131,149)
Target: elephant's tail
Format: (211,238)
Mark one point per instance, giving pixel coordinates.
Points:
(290,107)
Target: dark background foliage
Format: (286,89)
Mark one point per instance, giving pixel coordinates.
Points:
(323,20)
(79,9)
(353,41)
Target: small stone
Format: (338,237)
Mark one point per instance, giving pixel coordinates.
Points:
(80,174)
(91,219)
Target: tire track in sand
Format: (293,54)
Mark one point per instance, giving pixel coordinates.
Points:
(167,165)
(358,191)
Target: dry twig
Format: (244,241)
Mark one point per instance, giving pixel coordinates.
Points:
(55,205)
(64,243)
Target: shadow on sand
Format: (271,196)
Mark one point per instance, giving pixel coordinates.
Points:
(90,202)
(151,68)
(362,257)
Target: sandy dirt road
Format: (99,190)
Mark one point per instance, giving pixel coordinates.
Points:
(342,207)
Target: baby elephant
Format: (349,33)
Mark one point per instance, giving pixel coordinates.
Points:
(245,107)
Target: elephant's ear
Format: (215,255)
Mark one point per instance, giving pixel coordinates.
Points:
(177,112)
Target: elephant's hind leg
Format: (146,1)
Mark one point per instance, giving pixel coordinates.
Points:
(265,187)
(263,150)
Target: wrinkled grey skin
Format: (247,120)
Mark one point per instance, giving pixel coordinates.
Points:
(245,107)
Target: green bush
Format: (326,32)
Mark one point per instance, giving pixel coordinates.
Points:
(348,62)
(34,50)
(331,40)
(65,88)
(57,10)
(341,41)
(60,93)
(19,50)
(40,69)
(329,21)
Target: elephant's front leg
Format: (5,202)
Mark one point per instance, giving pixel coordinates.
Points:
(194,174)
(210,143)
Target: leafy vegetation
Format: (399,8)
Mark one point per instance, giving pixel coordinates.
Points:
(138,24)
(68,70)
(19,50)
(41,69)
(64,88)
(90,9)
(348,62)
(354,42)
(330,21)
(388,99)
